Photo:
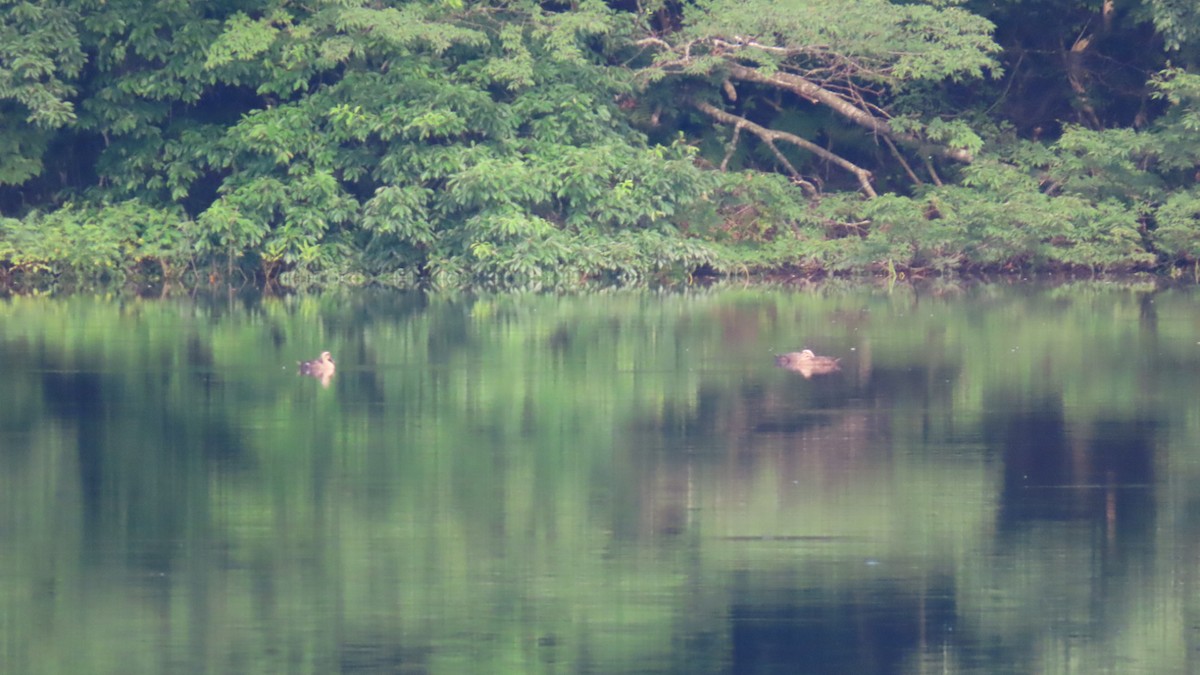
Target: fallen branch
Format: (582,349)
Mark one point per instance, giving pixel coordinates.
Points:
(822,96)
(769,136)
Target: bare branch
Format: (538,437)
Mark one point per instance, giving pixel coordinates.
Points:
(769,136)
(797,178)
(933,172)
(903,162)
(841,106)
(657,42)
(731,147)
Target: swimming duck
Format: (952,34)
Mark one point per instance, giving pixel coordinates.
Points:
(808,364)
(321,367)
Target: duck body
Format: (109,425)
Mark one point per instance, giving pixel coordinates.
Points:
(321,366)
(807,363)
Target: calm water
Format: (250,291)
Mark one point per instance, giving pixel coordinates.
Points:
(999,480)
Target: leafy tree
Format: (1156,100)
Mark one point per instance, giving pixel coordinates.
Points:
(526,143)
(852,60)
(421,135)
(40,55)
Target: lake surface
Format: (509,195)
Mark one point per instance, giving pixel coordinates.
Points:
(999,480)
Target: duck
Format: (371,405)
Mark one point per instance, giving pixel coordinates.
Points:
(322,366)
(807,363)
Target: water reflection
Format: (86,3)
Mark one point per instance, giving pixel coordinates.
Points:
(615,483)
(876,627)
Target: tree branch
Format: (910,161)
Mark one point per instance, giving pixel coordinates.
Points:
(731,147)
(769,136)
(809,188)
(912,175)
(822,96)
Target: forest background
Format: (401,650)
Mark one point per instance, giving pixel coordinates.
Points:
(521,143)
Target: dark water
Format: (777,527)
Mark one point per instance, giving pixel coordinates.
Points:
(999,480)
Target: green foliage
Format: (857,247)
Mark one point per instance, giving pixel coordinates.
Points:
(21,149)
(1178,21)
(92,243)
(1178,232)
(511,251)
(40,56)
(950,133)
(871,39)
(877,72)
(755,207)
(531,143)
(999,216)
(902,233)
(425,135)
(435,167)
(1177,127)
(1101,165)
(244,38)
